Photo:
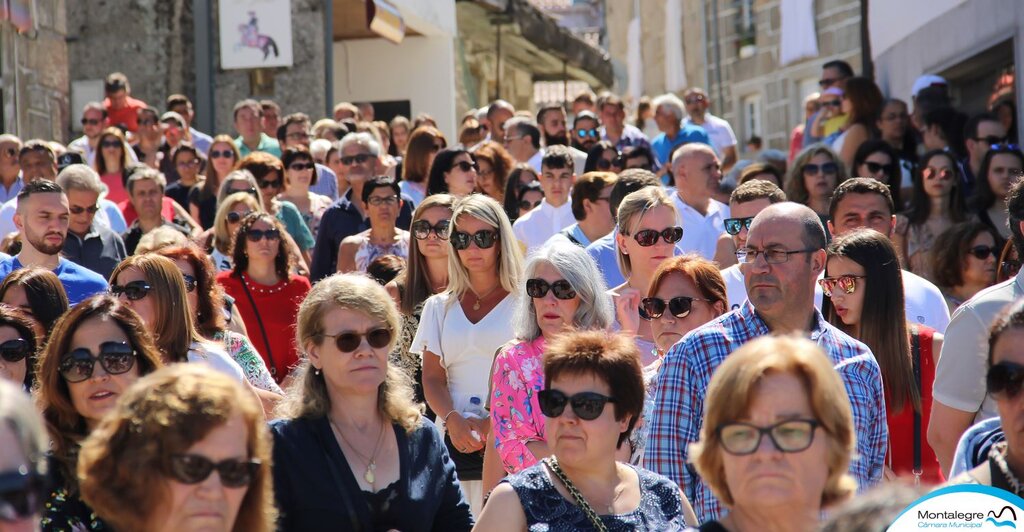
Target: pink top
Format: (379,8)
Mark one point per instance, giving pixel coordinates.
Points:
(518,375)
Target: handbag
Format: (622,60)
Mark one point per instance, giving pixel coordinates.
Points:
(595,520)
(263,330)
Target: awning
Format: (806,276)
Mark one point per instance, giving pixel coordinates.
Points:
(534,41)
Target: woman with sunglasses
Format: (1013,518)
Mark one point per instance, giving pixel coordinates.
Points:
(353,451)
(966,257)
(878,160)
(935,205)
(603,157)
(565,292)
(425,274)
(300,174)
(777,437)
(93,355)
(23,467)
(150,464)
(592,396)
(230,214)
(221,159)
(188,164)
(112,163)
(37,292)
(813,178)
(863,288)
(1002,166)
(266,294)
(18,334)
(382,203)
(647,236)
(522,175)
(494,166)
(462,328)
(269,175)
(423,146)
(453,172)
(529,198)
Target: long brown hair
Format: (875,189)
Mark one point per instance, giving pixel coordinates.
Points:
(212,183)
(101,163)
(413,282)
(415,165)
(282,261)
(209,312)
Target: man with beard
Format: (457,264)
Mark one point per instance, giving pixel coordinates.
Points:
(552,121)
(585,131)
(42,217)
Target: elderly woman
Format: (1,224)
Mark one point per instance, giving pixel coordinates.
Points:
(23,466)
(566,292)
(18,346)
(777,437)
(94,354)
(965,260)
(149,464)
(581,486)
(354,451)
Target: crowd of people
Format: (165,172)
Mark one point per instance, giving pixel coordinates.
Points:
(602,323)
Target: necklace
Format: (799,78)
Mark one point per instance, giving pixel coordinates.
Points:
(997,454)
(479,298)
(371,462)
(263,289)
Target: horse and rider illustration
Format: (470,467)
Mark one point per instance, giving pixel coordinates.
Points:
(252,38)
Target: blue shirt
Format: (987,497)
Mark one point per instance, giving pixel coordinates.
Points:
(683,382)
(663,146)
(200,140)
(7,194)
(79,282)
(604,251)
(326,182)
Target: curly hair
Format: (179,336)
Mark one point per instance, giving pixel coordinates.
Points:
(282,261)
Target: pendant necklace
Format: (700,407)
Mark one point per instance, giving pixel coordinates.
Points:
(479,298)
(371,462)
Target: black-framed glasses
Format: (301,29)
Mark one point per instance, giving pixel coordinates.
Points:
(465,166)
(982,252)
(526,205)
(733,226)
(298,167)
(190,282)
(789,436)
(990,140)
(833,103)
(484,239)
(827,82)
(195,468)
(78,209)
(874,167)
(255,235)
(22,493)
(92,121)
(235,217)
(586,405)
(421,229)
(771,255)
(134,290)
(649,237)
(348,342)
(377,201)
(538,288)
(826,168)
(270,183)
(1004,380)
(361,158)
(250,191)
(653,308)
(15,350)
(846,283)
(115,357)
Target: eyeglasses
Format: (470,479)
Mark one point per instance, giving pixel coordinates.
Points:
(218,154)
(299,167)
(538,288)
(827,82)
(255,235)
(484,239)
(251,191)
(680,307)
(22,493)
(605,164)
(361,158)
(827,168)
(697,98)
(92,121)
(991,140)
(134,290)
(790,436)
(525,205)
(115,357)
(147,121)
(846,283)
(194,468)
(1004,380)
(771,255)
(982,252)
(298,135)
(464,166)
(733,226)
(235,217)
(874,167)
(190,282)
(586,405)
(111,144)
(584,133)
(348,342)
(421,229)
(194,163)
(15,350)
(649,237)
(78,209)
(377,201)
(832,103)
(267,183)
(932,172)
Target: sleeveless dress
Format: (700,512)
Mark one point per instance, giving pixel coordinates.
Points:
(546,509)
(368,251)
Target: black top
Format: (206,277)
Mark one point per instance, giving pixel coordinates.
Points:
(63,510)
(101,250)
(207,206)
(134,233)
(179,193)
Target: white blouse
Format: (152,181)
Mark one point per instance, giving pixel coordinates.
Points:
(217,359)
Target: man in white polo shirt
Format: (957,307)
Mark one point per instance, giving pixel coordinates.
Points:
(554,213)
(697,172)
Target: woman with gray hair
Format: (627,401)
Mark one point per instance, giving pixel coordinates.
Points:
(23,444)
(566,292)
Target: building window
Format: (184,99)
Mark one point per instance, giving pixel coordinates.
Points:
(746,28)
(752,115)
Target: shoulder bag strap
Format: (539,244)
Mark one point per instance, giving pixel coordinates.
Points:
(263,330)
(915,355)
(552,464)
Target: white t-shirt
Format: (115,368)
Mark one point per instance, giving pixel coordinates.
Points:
(217,359)
(719,130)
(466,349)
(544,221)
(701,232)
(925,304)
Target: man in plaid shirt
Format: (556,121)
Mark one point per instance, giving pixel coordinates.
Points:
(783,257)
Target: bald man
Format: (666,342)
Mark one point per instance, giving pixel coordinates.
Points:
(696,171)
(780,262)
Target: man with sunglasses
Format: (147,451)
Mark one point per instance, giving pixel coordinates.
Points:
(668,114)
(981,132)
(959,392)
(697,174)
(248,117)
(88,243)
(585,131)
(781,261)
(93,118)
(296,130)
(557,176)
(745,203)
(42,217)
(718,130)
(146,193)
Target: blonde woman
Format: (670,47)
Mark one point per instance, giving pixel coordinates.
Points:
(462,328)
(229,217)
(353,451)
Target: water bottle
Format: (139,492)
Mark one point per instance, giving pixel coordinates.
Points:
(475,411)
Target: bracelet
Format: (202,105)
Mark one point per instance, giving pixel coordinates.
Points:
(446,416)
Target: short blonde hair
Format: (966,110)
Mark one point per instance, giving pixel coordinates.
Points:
(159,238)
(222,239)
(632,210)
(731,392)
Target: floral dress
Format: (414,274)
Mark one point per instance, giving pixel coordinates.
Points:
(64,512)
(516,419)
(242,351)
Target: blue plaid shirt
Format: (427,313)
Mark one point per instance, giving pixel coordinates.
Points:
(683,382)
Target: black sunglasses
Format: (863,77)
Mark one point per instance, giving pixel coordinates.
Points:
(982,252)
(15,350)
(255,235)
(301,166)
(649,237)
(22,493)
(115,357)
(525,205)
(464,166)
(194,468)
(265,183)
(235,217)
(134,290)
(348,342)
(78,209)
(586,405)
(680,307)
(226,154)
(538,288)
(484,239)
(815,169)
(1004,380)
(111,144)
(733,226)
(605,164)
(421,229)
(874,167)
(190,282)
(361,158)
